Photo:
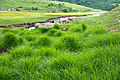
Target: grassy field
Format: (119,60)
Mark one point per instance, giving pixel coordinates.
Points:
(38,6)
(74,51)
(110,19)
(43,6)
(82,52)
(8,18)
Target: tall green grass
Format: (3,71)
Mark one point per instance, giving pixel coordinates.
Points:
(92,54)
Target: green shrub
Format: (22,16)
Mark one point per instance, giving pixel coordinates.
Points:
(84,27)
(4,30)
(76,28)
(58,33)
(67,42)
(96,30)
(22,33)
(10,40)
(20,40)
(22,28)
(52,32)
(1,44)
(42,41)
(30,37)
(56,26)
(43,30)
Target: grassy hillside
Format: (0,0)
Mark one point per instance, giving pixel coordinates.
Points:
(81,53)
(110,19)
(42,6)
(38,6)
(96,4)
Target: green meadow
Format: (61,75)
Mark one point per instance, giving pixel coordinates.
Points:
(43,6)
(82,50)
(110,19)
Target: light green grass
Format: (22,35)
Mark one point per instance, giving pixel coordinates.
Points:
(42,5)
(8,18)
(109,19)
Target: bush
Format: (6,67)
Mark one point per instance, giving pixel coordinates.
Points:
(67,42)
(84,27)
(56,26)
(30,37)
(1,44)
(22,28)
(58,33)
(76,28)
(42,41)
(10,40)
(43,30)
(4,30)
(52,32)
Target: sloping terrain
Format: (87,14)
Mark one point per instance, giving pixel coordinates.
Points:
(96,4)
(42,6)
(110,19)
(81,53)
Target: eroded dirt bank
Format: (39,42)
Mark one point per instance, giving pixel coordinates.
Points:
(28,25)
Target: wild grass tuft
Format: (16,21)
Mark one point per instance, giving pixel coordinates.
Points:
(76,28)
(42,42)
(56,26)
(43,30)
(96,30)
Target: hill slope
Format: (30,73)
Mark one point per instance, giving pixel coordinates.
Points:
(97,4)
(42,6)
(110,19)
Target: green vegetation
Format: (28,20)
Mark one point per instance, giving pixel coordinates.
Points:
(42,6)
(96,4)
(56,26)
(8,18)
(82,52)
(25,15)
(110,19)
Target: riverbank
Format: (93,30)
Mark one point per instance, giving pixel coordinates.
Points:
(64,19)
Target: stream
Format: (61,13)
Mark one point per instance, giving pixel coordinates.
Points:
(50,22)
(65,19)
